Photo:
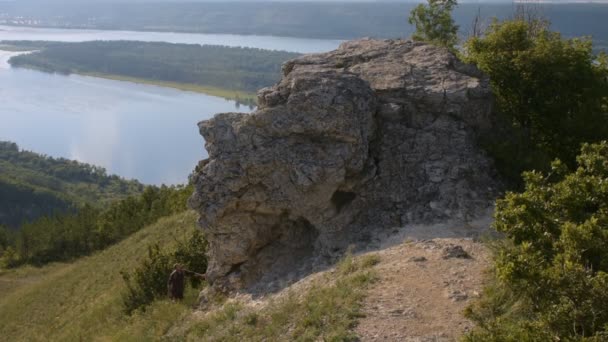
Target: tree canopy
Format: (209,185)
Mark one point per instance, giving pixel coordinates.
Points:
(552,91)
(434,23)
(34,185)
(228,68)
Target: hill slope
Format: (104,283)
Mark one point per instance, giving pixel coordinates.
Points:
(33,185)
(82,300)
(402,289)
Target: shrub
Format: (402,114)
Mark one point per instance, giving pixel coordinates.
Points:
(191,254)
(551,277)
(148,281)
(9,258)
(552,91)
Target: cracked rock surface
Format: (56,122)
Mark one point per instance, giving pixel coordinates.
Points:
(374,135)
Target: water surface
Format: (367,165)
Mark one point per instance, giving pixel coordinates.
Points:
(136,131)
(301,45)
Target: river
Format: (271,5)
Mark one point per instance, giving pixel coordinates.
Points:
(301,45)
(133,130)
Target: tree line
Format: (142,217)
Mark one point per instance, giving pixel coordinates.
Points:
(34,185)
(66,236)
(230,68)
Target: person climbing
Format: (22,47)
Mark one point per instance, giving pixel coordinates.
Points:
(176,282)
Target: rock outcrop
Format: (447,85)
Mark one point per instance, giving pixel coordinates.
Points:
(377,134)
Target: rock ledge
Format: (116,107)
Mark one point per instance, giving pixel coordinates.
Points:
(374,135)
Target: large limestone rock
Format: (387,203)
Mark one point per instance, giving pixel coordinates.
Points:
(375,135)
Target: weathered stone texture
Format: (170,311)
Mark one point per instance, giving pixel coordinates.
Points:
(374,135)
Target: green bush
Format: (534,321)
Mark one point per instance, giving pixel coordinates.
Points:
(191,253)
(551,277)
(148,281)
(552,91)
(9,258)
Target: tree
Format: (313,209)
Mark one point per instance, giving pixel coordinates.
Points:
(434,23)
(553,91)
(551,278)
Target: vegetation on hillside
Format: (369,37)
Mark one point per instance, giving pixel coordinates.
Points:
(34,185)
(551,275)
(65,236)
(326,311)
(550,280)
(241,71)
(148,282)
(83,300)
(553,92)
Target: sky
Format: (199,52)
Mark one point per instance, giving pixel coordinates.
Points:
(402,1)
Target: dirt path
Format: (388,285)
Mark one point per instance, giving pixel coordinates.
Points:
(420,295)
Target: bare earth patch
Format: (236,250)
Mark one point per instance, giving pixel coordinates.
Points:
(426,276)
(420,294)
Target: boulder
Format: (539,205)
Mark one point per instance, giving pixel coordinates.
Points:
(374,135)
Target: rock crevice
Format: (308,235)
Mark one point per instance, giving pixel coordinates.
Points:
(375,135)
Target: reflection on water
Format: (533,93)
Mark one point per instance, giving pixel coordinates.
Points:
(302,45)
(136,131)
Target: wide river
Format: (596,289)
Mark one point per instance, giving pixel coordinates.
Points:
(136,131)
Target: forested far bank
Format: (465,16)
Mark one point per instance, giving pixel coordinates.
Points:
(229,72)
(325,20)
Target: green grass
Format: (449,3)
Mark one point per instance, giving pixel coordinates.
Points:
(328,311)
(82,301)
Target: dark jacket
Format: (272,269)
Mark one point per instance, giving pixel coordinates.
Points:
(176,283)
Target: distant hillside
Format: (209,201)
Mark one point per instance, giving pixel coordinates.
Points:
(82,301)
(310,19)
(34,185)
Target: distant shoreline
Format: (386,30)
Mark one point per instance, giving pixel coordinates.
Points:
(225,72)
(239,96)
(243,98)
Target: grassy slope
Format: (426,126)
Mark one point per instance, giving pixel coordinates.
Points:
(82,300)
(326,311)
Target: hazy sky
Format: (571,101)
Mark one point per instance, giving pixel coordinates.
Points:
(401,1)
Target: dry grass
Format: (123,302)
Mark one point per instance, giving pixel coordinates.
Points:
(328,311)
